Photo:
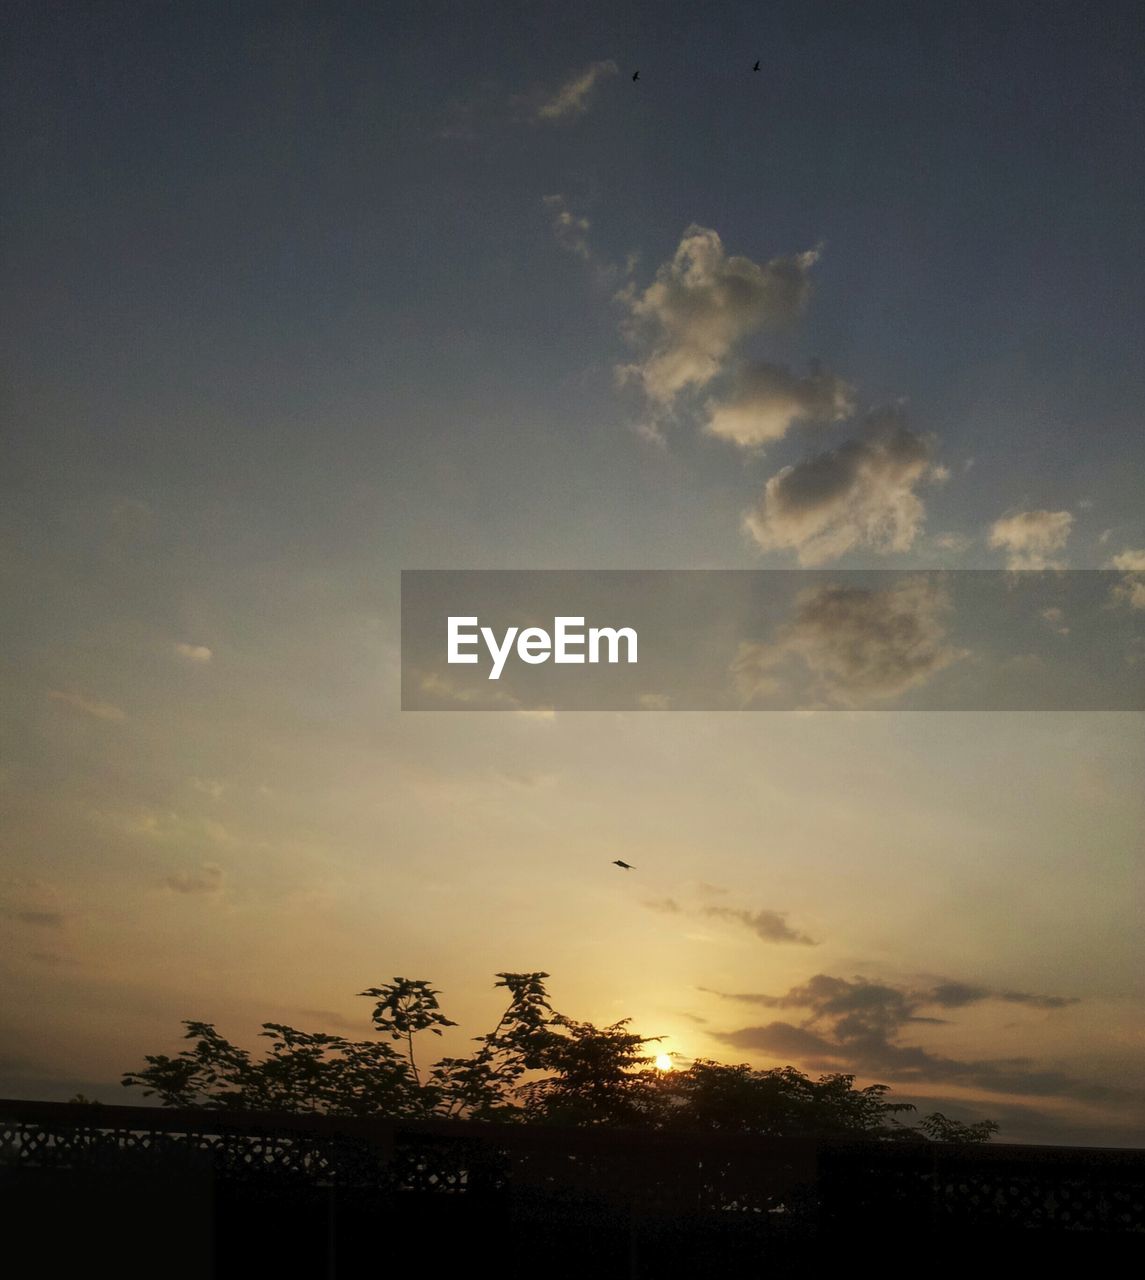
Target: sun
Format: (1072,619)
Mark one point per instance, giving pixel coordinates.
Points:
(663,1062)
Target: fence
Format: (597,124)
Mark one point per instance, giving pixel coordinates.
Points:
(325,1196)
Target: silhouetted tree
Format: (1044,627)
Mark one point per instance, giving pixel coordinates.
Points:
(712,1095)
(598,1076)
(535,1066)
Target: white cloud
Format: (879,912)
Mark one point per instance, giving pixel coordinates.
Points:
(194,652)
(766,400)
(700,305)
(573,97)
(860,494)
(1030,538)
(860,645)
(1129,560)
(90,706)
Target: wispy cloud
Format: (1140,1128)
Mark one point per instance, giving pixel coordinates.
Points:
(571,231)
(767,925)
(89,706)
(1054,618)
(197,653)
(574,97)
(770,926)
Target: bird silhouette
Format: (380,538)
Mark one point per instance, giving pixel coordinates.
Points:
(627,866)
(756,67)
(636,75)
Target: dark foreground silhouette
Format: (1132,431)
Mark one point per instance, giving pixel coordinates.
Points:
(553,1150)
(536,1066)
(176,1193)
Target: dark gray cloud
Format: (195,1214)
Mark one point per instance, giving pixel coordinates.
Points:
(329,1018)
(207,879)
(861,494)
(767,925)
(767,400)
(667,906)
(856,1025)
(859,645)
(41,919)
(957,995)
(770,926)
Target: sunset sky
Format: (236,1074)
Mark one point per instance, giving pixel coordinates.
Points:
(294,300)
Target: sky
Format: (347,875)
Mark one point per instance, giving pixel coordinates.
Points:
(294,300)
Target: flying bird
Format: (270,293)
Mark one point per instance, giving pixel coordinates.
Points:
(756,67)
(627,866)
(636,75)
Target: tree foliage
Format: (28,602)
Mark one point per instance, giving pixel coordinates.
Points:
(536,1066)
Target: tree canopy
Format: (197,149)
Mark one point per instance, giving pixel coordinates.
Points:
(536,1066)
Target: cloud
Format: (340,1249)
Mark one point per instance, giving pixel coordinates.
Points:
(571,231)
(767,925)
(440,687)
(194,652)
(859,494)
(208,787)
(856,1025)
(40,919)
(770,926)
(654,702)
(957,995)
(574,96)
(130,517)
(859,645)
(206,880)
(700,305)
(1131,589)
(90,706)
(1030,538)
(1054,618)
(956,542)
(667,906)
(766,400)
